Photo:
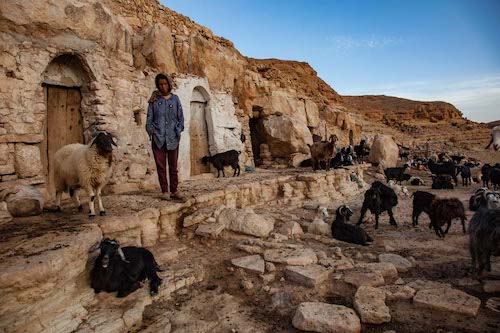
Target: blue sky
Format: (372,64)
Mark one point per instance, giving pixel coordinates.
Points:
(446,50)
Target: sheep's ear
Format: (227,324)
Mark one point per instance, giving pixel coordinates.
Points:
(95,247)
(113,142)
(122,255)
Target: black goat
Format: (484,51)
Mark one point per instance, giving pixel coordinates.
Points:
(378,199)
(495,177)
(219,161)
(445,168)
(345,232)
(416,181)
(485,171)
(422,202)
(464,172)
(443,211)
(122,269)
(396,173)
(361,151)
(442,182)
(457,158)
(484,231)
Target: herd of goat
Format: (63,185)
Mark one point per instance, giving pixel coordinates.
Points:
(122,270)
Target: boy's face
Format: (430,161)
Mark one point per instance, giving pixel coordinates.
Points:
(163,86)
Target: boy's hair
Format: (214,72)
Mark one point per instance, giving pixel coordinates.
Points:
(165,77)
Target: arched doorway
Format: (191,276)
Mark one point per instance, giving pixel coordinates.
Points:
(198,131)
(63,80)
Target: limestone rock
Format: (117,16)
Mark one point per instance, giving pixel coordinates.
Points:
(297,158)
(291,229)
(250,263)
(281,299)
(158,48)
(364,277)
(137,171)
(388,270)
(423,284)
(5,216)
(397,292)
(199,216)
(369,302)
(211,230)
(448,300)
(245,221)
(384,151)
(492,286)
(310,275)
(328,318)
(401,264)
(286,135)
(22,200)
(28,163)
(320,227)
(149,219)
(296,257)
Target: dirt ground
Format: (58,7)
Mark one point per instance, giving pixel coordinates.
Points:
(439,260)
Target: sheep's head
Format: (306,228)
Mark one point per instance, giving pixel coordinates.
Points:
(345,211)
(492,199)
(104,142)
(109,248)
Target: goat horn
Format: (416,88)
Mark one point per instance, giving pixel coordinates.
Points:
(122,255)
(94,247)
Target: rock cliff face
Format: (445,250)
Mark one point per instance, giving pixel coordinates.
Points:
(393,109)
(110,51)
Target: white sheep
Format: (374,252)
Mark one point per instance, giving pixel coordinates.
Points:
(495,138)
(84,166)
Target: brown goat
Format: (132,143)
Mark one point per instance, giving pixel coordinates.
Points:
(323,151)
(443,211)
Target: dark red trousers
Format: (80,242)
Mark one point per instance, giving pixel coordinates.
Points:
(162,155)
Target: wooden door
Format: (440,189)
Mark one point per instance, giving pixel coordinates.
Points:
(63,125)
(199,138)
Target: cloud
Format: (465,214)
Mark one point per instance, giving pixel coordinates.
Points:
(478,98)
(345,42)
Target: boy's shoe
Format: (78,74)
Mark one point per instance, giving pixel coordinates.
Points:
(177,197)
(164,196)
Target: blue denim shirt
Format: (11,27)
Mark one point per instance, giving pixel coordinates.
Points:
(165,121)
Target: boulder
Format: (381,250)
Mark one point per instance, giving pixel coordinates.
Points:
(384,151)
(22,200)
(388,270)
(291,229)
(296,257)
(369,302)
(447,300)
(398,293)
(245,221)
(250,263)
(310,275)
(5,216)
(286,135)
(328,318)
(211,230)
(401,264)
(158,48)
(364,277)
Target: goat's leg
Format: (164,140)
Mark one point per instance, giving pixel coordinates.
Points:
(376,220)
(392,220)
(234,173)
(472,251)
(58,201)
(363,212)
(77,199)
(414,217)
(91,193)
(448,227)
(102,212)
(223,173)
(463,225)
